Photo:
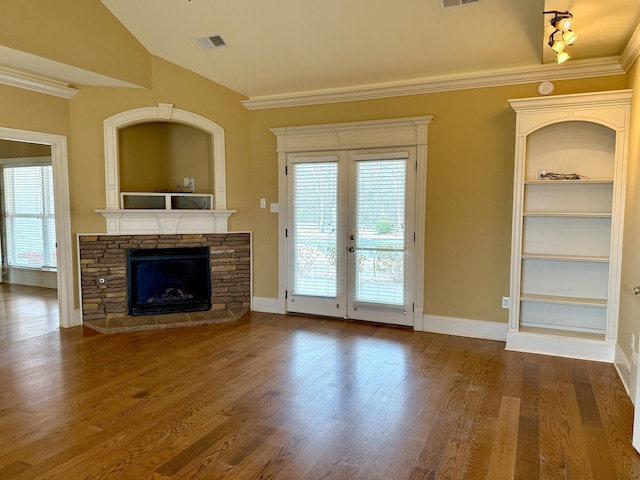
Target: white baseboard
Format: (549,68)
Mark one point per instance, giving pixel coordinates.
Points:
(561,346)
(265,305)
(425,323)
(32,277)
(627,371)
(464,327)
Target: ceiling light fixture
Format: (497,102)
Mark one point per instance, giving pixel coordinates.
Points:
(562,36)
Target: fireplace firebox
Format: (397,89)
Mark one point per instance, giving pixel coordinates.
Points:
(168,280)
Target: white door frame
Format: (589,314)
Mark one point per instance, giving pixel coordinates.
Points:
(64,253)
(399,132)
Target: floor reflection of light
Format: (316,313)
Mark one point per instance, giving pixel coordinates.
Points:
(351,379)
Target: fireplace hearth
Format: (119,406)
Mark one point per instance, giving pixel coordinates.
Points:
(168,280)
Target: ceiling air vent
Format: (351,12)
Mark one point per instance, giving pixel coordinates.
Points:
(456,3)
(212,41)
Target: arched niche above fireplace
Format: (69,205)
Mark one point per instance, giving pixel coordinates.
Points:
(120,220)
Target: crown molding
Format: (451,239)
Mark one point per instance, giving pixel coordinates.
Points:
(631,52)
(36,84)
(493,78)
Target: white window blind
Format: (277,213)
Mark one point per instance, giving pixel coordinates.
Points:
(314,238)
(29,216)
(380,191)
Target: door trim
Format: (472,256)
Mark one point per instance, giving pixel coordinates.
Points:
(58,143)
(391,133)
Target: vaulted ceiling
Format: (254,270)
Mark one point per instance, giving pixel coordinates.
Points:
(300,46)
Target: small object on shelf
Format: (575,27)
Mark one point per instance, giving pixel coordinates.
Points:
(560,176)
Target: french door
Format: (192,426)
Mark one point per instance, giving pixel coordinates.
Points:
(350,234)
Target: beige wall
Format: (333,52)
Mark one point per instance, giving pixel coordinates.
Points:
(67,33)
(469,188)
(26,110)
(157,156)
(9,149)
(629,319)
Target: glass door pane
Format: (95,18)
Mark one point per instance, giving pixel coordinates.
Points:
(379,241)
(381,236)
(314,232)
(316,249)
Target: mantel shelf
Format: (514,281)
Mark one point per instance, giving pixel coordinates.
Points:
(142,221)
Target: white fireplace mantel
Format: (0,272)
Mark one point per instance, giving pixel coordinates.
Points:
(141,222)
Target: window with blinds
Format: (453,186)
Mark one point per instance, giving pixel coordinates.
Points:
(380,193)
(29,219)
(314,237)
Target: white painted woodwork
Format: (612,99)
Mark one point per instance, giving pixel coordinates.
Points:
(567,234)
(64,252)
(342,137)
(139,221)
(146,222)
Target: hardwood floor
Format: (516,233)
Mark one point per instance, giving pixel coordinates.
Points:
(289,397)
(27,312)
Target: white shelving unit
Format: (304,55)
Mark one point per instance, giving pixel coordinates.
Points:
(567,234)
(165,201)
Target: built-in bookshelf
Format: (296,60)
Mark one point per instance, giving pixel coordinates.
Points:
(567,223)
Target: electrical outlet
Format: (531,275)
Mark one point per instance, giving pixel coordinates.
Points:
(190,184)
(505,302)
(274,207)
(633,341)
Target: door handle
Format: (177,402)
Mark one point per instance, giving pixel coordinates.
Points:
(351,249)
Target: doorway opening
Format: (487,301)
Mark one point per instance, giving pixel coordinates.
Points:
(57,146)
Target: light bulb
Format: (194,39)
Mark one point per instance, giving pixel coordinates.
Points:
(562,57)
(562,23)
(570,37)
(558,46)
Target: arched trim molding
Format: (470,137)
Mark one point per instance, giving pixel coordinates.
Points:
(121,221)
(164,112)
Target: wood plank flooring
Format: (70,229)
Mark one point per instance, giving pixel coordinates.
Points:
(292,397)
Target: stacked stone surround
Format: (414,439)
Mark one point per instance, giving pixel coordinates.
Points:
(103,270)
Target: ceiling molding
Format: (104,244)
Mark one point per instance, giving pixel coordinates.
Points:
(36,84)
(495,78)
(631,52)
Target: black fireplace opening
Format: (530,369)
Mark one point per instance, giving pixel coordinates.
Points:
(168,280)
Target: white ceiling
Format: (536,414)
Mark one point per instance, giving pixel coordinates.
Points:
(298,48)
(301,46)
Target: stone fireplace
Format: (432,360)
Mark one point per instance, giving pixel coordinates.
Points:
(171,224)
(103,278)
